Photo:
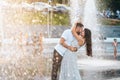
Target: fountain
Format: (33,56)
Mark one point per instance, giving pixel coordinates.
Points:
(18,63)
(1,28)
(92,68)
(90,21)
(16,58)
(75,12)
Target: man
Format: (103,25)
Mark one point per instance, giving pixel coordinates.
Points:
(64,45)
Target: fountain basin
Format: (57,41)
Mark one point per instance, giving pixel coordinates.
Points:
(98,64)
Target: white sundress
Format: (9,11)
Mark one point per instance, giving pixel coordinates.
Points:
(69,69)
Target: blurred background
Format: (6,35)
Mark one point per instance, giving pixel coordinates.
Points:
(26,24)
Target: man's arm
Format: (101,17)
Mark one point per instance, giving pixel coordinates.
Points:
(62,42)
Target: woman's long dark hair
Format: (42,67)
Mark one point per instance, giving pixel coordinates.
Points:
(88,42)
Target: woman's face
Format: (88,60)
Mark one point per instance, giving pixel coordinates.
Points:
(83,33)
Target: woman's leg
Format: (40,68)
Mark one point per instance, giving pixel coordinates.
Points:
(115,53)
(57,58)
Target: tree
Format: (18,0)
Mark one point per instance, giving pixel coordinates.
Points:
(106,4)
(115,5)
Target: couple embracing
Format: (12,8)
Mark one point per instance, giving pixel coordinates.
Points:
(64,65)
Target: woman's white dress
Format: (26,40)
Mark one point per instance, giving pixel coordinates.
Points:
(69,69)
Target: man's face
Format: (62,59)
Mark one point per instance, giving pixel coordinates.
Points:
(79,30)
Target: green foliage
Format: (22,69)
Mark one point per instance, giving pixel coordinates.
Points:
(61,19)
(108,4)
(106,21)
(39,18)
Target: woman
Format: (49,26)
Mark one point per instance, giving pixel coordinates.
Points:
(41,42)
(115,44)
(69,69)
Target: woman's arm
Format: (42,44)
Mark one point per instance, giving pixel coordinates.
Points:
(112,43)
(78,37)
(117,44)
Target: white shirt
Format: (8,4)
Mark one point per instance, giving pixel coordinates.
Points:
(69,38)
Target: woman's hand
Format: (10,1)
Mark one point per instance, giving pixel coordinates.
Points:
(79,38)
(73,29)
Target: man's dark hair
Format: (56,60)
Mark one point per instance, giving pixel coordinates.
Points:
(79,25)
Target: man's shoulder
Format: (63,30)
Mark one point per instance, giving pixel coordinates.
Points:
(67,30)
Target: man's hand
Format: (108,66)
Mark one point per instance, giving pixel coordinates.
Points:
(73,49)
